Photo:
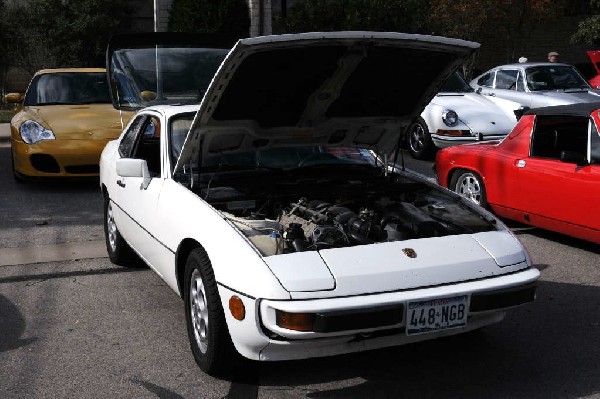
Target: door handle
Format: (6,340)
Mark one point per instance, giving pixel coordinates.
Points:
(120,183)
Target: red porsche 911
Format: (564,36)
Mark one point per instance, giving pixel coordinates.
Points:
(545,173)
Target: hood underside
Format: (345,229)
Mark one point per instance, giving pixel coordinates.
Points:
(357,89)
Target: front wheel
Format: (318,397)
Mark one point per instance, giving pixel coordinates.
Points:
(420,144)
(207,330)
(470,185)
(119,252)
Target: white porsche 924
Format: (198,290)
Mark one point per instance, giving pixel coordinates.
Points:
(281,218)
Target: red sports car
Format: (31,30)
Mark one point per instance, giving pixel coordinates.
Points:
(545,173)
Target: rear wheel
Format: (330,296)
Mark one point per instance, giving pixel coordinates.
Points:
(119,252)
(420,144)
(209,337)
(470,185)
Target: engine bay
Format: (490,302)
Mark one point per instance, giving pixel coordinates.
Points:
(284,214)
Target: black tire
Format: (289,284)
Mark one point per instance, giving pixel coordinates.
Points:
(470,185)
(207,329)
(420,144)
(119,252)
(16,176)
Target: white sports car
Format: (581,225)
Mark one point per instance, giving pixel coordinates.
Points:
(459,115)
(280,217)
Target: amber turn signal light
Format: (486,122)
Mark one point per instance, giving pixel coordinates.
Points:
(295,321)
(236,307)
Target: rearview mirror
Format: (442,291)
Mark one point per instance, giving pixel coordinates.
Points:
(133,167)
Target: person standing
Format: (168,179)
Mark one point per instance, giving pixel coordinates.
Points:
(553,56)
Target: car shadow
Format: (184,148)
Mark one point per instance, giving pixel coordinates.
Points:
(12,326)
(542,350)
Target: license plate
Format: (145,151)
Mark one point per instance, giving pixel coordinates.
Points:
(436,314)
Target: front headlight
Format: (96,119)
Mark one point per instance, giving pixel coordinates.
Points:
(32,132)
(449,117)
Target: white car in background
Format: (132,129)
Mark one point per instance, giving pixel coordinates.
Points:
(459,115)
(536,84)
(273,218)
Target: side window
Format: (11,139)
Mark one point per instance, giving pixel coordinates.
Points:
(179,127)
(594,145)
(128,142)
(507,79)
(486,80)
(148,147)
(554,134)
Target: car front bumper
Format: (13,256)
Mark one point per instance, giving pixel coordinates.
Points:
(441,141)
(57,158)
(259,337)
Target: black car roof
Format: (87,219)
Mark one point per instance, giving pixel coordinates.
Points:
(579,109)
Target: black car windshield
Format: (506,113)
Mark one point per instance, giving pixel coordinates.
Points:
(288,158)
(163,75)
(456,84)
(550,77)
(68,88)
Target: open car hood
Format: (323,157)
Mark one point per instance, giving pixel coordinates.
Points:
(357,89)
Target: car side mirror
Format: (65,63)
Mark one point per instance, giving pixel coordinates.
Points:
(479,90)
(133,167)
(14,98)
(148,95)
(573,157)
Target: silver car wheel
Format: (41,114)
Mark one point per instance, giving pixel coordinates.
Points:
(199,311)
(111,228)
(417,138)
(468,186)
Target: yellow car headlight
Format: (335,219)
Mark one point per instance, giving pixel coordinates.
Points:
(32,132)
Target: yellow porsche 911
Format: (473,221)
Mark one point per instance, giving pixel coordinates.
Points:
(62,123)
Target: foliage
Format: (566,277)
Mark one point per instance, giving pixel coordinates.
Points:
(377,15)
(510,21)
(210,16)
(63,33)
(588,31)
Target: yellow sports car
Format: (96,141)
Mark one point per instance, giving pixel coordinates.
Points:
(63,122)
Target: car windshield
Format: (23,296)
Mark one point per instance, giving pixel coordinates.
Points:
(68,88)
(150,76)
(456,84)
(288,158)
(559,77)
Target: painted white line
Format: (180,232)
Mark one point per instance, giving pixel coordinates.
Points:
(52,253)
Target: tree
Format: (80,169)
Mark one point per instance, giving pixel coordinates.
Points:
(229,17)
(378,15)
(511,21)
(588,31)
(63,33)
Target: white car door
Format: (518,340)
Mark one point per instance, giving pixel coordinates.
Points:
(136,203)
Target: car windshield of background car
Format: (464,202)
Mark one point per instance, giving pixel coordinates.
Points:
(68,88)
(170,75)
(456,84)
(561,77)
